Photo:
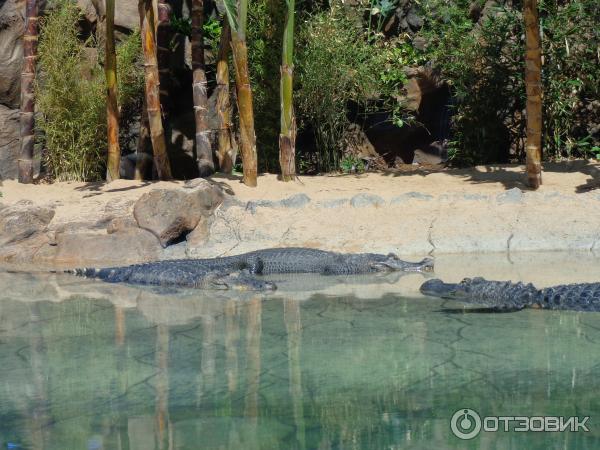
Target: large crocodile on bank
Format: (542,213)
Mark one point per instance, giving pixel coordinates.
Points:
(507,296)
(205,273)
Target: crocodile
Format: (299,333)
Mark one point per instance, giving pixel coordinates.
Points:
(181,276)
(194,272)
(508,296)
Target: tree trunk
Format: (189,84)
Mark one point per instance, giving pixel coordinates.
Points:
(226,153)
(287,137)
(30,42)
(204,157)
(112,107)
(157,134)
(163,36)
(533,84)
(245,108)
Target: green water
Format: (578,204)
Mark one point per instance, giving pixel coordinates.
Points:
(96,366)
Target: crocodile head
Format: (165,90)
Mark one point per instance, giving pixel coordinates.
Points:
(237,281)
(392,263)
(500,295)
(437,288)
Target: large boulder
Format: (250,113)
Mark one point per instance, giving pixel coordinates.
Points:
(11,53)
(9,140)
(96,249)
(23,220)
(126,12)
(170,214)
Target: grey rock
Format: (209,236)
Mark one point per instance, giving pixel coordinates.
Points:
(410,196)
(10,143)
(414,21)
(295,201)
(22,221)
(170,214)
(363,200)
(475,197)
(131,246)
(11,52)
(335,203)
(514,195)
(126,12)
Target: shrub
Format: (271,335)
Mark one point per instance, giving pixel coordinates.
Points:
(336,66)
(484,65)
(71,95)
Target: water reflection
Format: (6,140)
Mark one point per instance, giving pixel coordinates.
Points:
(143,370)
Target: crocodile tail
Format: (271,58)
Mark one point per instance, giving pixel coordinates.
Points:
(86,272)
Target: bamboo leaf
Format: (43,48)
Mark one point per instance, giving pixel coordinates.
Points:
(231,9)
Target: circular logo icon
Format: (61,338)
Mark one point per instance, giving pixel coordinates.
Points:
(465,424)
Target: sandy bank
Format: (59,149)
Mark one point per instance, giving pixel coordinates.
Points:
(485,209)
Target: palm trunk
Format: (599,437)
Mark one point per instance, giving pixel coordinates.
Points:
(204,158)
(226,153)
(30,41)
(287,137)
(245,108)
(157,134)
(112,107)
(163,36)
(533,85)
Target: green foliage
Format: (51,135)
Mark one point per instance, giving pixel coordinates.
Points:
(571,77)
(265,35)
(337,65)
(484,65)
(212,30)
(352,164)
(71,95)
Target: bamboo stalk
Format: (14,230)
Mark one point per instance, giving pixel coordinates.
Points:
(157,134)
(533,85)
(226,152)
(204,157)
(27,119)
(287,136)
(163,36)
(112,107)
(245,108)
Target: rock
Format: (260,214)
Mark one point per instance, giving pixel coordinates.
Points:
(89,11)
(119,224)
(171,213)
(435,153)
(514,195)
(410,196)
(11,53)
(414,21)
(25,250)
(334,203)
(130,246)
(199,235)
(126,12)
(10,143)
(295,201)
(22,221)
(358,145)
(362,200)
